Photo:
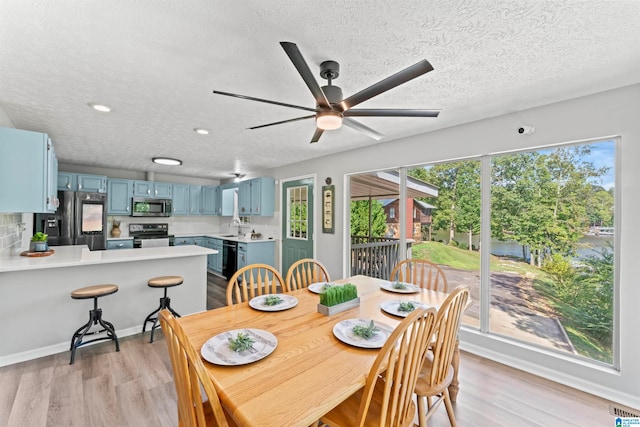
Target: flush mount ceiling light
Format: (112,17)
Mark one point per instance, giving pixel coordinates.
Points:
(329,120)
(166,161)
(201,131)
(100,107)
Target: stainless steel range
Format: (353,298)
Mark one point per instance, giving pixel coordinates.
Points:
(150,235)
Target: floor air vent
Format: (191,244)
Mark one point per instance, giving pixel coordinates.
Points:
(624,412)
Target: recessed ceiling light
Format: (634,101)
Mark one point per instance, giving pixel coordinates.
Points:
(201,131)
(166,161)
(100,107)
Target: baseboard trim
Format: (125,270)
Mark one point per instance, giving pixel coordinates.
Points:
(55,349)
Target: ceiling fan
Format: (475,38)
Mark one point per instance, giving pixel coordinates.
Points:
(332,110)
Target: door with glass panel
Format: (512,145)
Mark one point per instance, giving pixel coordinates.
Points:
(297,226)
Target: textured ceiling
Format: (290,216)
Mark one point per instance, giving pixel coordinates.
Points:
(156,63)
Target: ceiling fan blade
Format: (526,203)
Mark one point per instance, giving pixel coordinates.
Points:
(386,112)
(390,82)
(301,65)
(283,121)
(353,124)
(316,135)
(251,98)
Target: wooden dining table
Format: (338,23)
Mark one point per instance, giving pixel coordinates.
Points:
(310,371)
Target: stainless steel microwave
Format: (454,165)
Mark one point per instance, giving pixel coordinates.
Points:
(151,207)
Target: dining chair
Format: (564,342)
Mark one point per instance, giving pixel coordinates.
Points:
(253,280)
(387,397)
(304,272)
(421,272)
(190,377)
(437,372)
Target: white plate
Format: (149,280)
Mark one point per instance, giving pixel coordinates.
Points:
(344,332)
(288,301)
(216,350)
(318,288)
(409,288)
(391,307)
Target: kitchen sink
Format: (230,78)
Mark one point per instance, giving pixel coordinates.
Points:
(229,235)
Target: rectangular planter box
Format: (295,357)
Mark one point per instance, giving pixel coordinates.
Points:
(328,311)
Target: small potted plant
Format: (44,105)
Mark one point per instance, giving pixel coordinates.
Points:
(338,298)
(39,242)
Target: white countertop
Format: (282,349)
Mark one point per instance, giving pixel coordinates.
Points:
(73,256)
(246,239)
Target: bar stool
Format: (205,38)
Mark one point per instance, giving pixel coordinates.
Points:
(165,302)
(95,317)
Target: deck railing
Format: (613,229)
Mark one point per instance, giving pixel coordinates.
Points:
(375,256)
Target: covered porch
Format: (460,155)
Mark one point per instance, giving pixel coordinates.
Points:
(376,256)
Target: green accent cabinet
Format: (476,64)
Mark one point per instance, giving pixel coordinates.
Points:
(28,172)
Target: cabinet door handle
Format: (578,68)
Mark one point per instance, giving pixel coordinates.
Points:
(156,192)
(120,245)
(127,208)
(79,186)
(68,185)
(149,191)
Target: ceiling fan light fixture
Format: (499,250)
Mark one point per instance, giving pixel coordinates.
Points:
(329,120)
(166,161)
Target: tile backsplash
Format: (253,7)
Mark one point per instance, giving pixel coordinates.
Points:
(11,233)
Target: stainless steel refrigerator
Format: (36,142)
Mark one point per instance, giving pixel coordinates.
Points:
(81,219)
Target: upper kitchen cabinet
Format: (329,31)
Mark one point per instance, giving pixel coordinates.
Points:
(256,197)
(119,194)
(210,200)
(195,203)
(160,190)
(227,192)
(187,199)
(28,172)
(68,181)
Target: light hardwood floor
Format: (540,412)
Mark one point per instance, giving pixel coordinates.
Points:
(134,388)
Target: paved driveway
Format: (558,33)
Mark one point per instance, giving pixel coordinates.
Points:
(516,311)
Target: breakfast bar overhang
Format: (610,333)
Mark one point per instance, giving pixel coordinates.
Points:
(38,315)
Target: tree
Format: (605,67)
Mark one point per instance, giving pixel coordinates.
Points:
(458,201)
(360,218)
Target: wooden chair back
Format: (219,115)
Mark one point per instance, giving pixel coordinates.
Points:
(395,371)
(189,376)
(254,280)
(421,272)
(447,327)
(304,272)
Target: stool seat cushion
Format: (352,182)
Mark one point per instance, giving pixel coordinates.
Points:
(94,291)
(165,281)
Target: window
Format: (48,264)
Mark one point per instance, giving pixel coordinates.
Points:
(550,238)
(392,212)
(297,212)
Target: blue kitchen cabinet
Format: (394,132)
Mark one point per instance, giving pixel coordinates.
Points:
(180,199)
(199,241)
(152,189)
(256,253)
(226,199)
(256,197)
(28,172)
(69,181)
(195,204)
(181,241)
(210,197)
(119,194)
(124,243)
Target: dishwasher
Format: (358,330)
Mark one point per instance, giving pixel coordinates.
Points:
(229,258)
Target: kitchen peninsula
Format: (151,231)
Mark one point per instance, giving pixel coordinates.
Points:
(39,316)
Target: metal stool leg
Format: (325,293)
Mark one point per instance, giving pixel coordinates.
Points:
(95,318)
(165,302)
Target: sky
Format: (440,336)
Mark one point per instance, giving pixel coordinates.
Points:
(603,154)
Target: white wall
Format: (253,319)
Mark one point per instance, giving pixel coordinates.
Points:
(605,114)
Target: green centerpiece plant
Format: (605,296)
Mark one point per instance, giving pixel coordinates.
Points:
(338,298)
(39,242)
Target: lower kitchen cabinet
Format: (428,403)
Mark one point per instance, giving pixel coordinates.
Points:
(180,241)
(214,261)
(120,243)
(263,252)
